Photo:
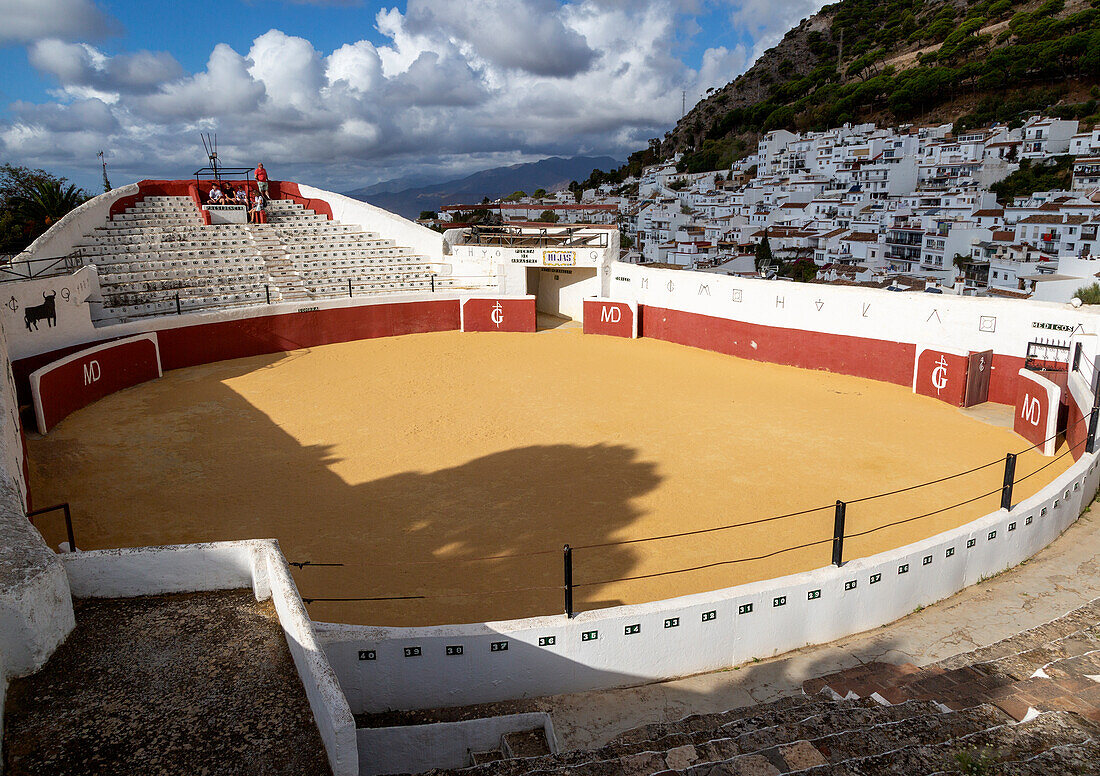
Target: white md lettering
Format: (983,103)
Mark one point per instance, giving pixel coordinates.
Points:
(92,372)
(610,315)
(497,315)
(1031,410)
(939,375)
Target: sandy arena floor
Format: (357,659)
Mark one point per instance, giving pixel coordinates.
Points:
(404,458)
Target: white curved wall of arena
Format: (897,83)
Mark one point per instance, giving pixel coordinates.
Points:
(857,331)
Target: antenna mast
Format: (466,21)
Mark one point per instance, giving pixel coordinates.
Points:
(210,145)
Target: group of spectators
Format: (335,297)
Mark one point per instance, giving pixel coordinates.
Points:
(225,194)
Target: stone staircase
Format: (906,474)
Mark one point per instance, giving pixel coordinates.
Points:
(1026,706)
(286,284)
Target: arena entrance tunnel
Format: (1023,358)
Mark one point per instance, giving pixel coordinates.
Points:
(560,291)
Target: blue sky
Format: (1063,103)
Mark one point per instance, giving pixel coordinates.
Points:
(344,94)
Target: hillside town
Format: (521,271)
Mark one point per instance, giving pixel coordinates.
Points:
(904,208)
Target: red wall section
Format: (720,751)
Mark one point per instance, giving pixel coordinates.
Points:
(88,377)
(206,342)
(491,314)
(891,362)
(942,376)
(1077,428)
(602,316)
(277,190)
(1037,412)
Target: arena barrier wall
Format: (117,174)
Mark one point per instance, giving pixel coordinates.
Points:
(850,330)
(419,748)
(499,313)
(82,378)
(36,611)
(628,645)
(257,564)
(1037,407)
(941,374)
(201,338)
(613,317)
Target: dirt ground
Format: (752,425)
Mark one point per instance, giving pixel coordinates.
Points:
(407,459)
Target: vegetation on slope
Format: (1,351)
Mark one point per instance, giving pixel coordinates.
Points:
(897,61)
(1035,176)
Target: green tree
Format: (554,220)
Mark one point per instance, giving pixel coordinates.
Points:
(30,202)
(763,252)
(428,215)
(515,196)
(539,193)
(548,216)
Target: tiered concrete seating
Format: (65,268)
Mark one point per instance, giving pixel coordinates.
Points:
(159,250)
(314,258)
(159,258)
(1027,706)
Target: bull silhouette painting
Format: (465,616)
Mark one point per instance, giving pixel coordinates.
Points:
(47,311)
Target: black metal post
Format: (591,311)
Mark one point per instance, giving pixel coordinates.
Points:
(567,553)
(349,286)
(1094,417)
(1077,357)
(838,533)
(68,520)
(1010,478)
(69,527)
(267,290)
(433,284)
(179,309)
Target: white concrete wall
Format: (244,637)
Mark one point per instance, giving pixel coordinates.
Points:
(729,636)
(426,242)
(562,290)
(61,238)
(939,320)
(36,612)
(71,303)
(419,748)
(225,566)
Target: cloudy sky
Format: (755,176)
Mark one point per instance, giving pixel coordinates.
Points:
(344,93)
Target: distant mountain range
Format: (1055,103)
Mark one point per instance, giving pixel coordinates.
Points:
(405,197)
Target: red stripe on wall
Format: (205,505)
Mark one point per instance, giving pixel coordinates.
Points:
(68,387)
(206,342)
(890,362)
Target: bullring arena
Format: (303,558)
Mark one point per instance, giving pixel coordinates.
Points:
(739,468)
(404,458)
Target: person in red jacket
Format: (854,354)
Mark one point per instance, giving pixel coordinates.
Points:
(261,179)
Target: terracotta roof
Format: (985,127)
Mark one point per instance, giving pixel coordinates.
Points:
(989,213)
(1004,236)
(1039,218)
(1006,292)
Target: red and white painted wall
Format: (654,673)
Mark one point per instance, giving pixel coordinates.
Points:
(613,317)
(1038,402)
(863,332)
(499,313)
(77,380)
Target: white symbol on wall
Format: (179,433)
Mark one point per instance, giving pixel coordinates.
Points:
(987,323)
(497,315)
(671,286)
(939,375)
(736,295)
(92,372)
(1031,410)
(610,315)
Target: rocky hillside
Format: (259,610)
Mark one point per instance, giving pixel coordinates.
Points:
(897,61)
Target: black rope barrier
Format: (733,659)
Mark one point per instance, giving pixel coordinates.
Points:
(705,565)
